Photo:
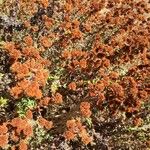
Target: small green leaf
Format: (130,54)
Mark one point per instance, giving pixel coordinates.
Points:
(89,122)
(3,102)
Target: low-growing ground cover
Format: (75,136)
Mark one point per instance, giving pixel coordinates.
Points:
(74,74)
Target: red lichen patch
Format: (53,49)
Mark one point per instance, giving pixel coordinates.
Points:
(45,123)
(85,109)
(72,86)
(3,140)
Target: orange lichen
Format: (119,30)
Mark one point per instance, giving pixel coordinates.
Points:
(9,46)
(44,101)
(13,148)
(29,114)
(104,55)
(138,121)
(27,24)
(28,40)
(48,21)
(45,123)
(71,124)
(14,137)
(21,70)
(31,52)
(76,53)
(83,63)
(58,99)
(114,75)
(28,130)
(15,54)
(86,139)
(66,54)
(68,7)
(41,77)
(16,91)
(3,129)
(76,34)
(118,89)
(22,125)
(3,140)
(85,109)
(23,84)
(69,135)
(72,86)
(23,145)
(33,90)
(44,3)
(143,95)
(45,41)
(74,128)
